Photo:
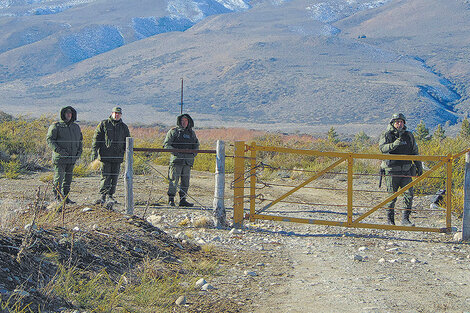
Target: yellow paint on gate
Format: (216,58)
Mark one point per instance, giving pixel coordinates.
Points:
(241,148)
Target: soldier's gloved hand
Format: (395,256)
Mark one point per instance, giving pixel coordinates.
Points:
(398,142)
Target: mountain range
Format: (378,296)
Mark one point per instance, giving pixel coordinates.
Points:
(298,65)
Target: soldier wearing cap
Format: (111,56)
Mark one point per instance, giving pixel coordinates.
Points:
(399,173)
(109,145)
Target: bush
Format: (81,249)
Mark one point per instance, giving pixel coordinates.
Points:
(11,169)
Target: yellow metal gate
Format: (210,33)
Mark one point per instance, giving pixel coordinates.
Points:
(246,156)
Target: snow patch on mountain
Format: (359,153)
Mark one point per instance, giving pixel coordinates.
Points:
(197,10)
(91,41)
(331,11)
(149,26)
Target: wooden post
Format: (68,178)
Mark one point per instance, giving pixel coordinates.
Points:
(129,176)
(239,184)
(219,207)
(466,205)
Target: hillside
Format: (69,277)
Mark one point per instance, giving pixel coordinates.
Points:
(289,65)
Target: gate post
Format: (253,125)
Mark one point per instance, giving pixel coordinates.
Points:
(129,176)
(239,184)
(466,204)
(219,207)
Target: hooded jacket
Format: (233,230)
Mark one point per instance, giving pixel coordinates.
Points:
(109,141)
(409,147)
(65,139)
(182,138)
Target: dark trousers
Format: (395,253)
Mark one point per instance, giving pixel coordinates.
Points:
(396,180)
(178,173)
(63,174)
(109,177)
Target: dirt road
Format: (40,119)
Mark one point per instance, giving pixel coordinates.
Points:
(286,267)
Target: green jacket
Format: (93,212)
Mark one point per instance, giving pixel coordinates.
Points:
(182,138)
(109,141)
(65,139)
(394,142)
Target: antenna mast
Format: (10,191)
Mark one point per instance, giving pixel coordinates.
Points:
(181,95)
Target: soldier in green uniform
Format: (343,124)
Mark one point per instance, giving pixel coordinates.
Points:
(398,173)
(65,140)
(181,137)
(109,144)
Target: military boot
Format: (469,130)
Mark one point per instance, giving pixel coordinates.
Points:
(391,217)
(185,203)
(405,221)
(171,201)
(101,200)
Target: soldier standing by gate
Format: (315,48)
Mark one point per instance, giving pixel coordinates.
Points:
(398,173)
(181,137)
(65,140)
(109,144)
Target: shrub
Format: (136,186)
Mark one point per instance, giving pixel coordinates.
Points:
(11,169)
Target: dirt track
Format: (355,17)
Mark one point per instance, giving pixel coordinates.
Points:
(306,268)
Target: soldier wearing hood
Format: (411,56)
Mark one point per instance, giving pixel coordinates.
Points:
(398,173)
(65,140)
(109,144)
(181,137)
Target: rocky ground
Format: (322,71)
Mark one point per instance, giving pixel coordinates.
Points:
(278,266)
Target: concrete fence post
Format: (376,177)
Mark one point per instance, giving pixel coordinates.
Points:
(129,175)
(466,205)
(219,206)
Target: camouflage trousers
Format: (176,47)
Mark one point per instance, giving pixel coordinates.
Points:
(109,177)
(396,180)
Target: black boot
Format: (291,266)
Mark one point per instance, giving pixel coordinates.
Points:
(171,201)
(101,200)
(185,203)
(405,221)
(391,217)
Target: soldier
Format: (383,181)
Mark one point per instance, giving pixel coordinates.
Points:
(65,140)
(181,137)
(109,144)
(398,173)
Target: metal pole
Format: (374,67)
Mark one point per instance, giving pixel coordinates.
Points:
(181,95)
(219,207)
(466,205)
(129,175)
(239,184)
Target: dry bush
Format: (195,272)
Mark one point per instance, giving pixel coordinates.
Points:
(203,222)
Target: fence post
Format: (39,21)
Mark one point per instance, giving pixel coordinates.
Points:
(466,204)
(239,184)
(219,207)
(129,176)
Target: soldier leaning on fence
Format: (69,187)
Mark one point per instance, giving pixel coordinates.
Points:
(181,137)
(65,140)
(109,144)
(398,173)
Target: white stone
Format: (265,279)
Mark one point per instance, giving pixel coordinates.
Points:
(28,226)
(235,231)
(458,236)
(201,241)
(362,249)
(201,282)
(76,228)
(86,209)
(181,300)
(382,260)
(250,273)
(207,287)
(413,260)
(393,261)
(155,219)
